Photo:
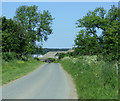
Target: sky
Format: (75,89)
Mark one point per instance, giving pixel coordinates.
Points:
(66,15)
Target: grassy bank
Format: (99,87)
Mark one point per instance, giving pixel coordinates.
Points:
(16,69)
(94,79)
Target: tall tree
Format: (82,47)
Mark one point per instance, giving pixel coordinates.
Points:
(37,25)
(109,23)
(12,36)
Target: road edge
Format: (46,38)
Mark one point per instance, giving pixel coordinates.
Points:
(73,91)
(24,75)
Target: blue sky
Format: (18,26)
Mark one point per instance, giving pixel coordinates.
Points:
(66,15)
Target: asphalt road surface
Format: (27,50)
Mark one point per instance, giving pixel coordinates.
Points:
(47,82)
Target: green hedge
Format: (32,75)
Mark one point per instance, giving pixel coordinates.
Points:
(8,56)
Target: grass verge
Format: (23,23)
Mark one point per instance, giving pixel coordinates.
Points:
(16,69)
(94,79)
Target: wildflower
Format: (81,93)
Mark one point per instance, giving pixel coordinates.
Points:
(66,58)
(74,60)
(76,75)
(20,62)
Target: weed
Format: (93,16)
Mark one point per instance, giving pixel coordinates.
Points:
(94,79)
(15,69)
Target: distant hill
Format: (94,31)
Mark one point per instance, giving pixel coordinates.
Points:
(45,50)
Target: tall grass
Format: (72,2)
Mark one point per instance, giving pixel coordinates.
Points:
(94,79)
(15,69)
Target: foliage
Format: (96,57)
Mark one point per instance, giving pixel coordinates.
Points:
(61,55)
(28,26)
(45,50)
(8,56)
(31,19)
(89,43)
(38,50)
(35,58)
(94,79)
(12,33)
(50,60)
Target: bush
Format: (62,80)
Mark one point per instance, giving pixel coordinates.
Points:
(69,54)
(8,56)
(61,55)
(94,77)
(26,57)
(19,56)
(50,60)
(110,58)
(36,58)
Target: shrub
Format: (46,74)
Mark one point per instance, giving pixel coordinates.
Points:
(50,60)
(61,55)
(36,58)
(94,78)
(69,54)
(19,56)
(8,56)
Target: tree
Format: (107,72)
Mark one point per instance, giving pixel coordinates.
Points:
(12,36)
(107,43)
(86,44)
(111,34)
(37,25)
(38,50)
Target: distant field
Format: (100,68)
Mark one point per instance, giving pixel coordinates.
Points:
(16,69)
(94,79)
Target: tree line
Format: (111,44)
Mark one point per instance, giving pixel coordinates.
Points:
(19,35)
(40,50)
(88,42)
